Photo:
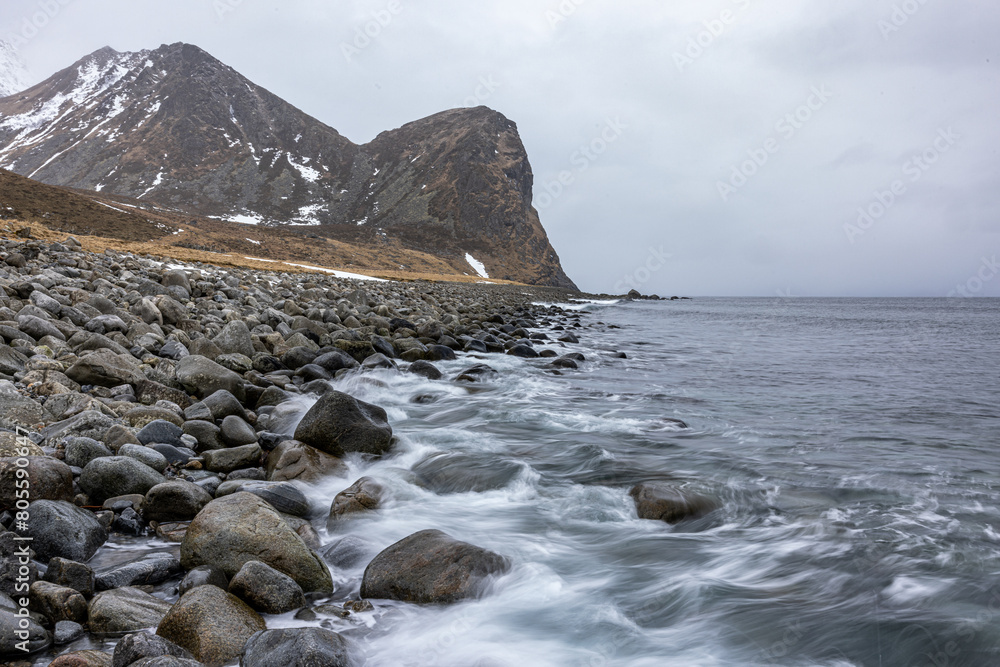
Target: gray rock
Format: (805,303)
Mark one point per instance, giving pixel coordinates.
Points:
(176,500)
(222,404)
(282,496)
(11,361)
(160,430)
(462,473)
(11,644)
(62,529)
(348,552)
(206,433)
(236,432)
(57,603)
(17,410)
(335,360)
(105,324)
(81,451)
(425,369)
(228,460)
(365,495)
(117,476)
(294,460)
(149,568)
(145,455)
(431,567)
(174,350)
(69,573)
(82,659)
(48,479)
(672,504)
(167,661)
(175,455)
(106,369)
(339,423)
(67,631)
(212,624)
(235,529)
(265,589)
(235,339)
(124,610)
(139,645)
(202,377)
(299,647)
(203,575)
(38,328)
(87,424)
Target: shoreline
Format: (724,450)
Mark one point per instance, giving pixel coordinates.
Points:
(135,395)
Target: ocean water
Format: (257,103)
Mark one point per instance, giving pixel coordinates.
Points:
(853,444)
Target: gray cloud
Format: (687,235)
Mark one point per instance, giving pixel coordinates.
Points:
(685,117)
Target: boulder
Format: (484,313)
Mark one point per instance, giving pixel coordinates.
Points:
(364,495)
(139,645)
(339,423)
(228,460)
(47,479)
(145,455)
(235,339)
(425,369)
(83,659)
(62,529)
(298,647)
(210,623)
(11,361)
(348,552)
(117,476)
(175,500)
(672,504)
(282,496)
(106,369)
(87,424)
(461,473)
(81,451)
(18,410)
(203,575)
(57,603)
(235,432)
(203,377)
(265,589)
(294,460)
(71,574)
(431,567)
(147,569)
(11,644)
(235,529)
(125,610)
(66,632)
(160,430)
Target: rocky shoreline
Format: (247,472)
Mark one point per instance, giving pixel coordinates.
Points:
(142,398)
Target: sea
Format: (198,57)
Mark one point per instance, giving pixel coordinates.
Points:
(853,445)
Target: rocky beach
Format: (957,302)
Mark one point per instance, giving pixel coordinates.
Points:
(191,407)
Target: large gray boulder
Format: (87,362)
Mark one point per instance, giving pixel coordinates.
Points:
(210,623)
(146,569)
(48,479)
(431,567)
(17,409)
(62,529)
(117,476)
(11,644)
(292,460)
(139,645)
(202,377)
(176,500)
(282,496)
(365,495)
(235,529)
(235,339)
(125,610)
(265,589)
(57,603)
(668,503)
(339,423)
(106,369)
(298,647)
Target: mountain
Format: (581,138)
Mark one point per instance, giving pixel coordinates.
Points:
(14,75)
(180,129)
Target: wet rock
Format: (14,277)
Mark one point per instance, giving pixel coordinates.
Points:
(206,433)
(524,351)
(210,623)
(376,361)
(128,522)
(233,530)
(139,645)
(203,377)
(462,473)
(17,410)
(117,476)
(265,589)
(81,451)
(66,632)
(48,479)
(125,610)
(222,404)
(294,460)
(57,603)
(282,496)
(439,353)
(167,661)
(236,432)
(146,569)
(235,339)
(228,460)
(425,369)
(145,455)
(339,423)
(477,373)
(348,552)
(672,504)
(299,647)
(365,495)
(71,574)
(87,424)
(203,575)
(83,659)
(431,567)
(175,500)
(62,529)
(10,623)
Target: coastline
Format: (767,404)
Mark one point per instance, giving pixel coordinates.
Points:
(137,392)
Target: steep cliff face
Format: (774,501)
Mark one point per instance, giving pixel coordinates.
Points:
(177,127)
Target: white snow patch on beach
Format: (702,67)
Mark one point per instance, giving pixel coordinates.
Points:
(338,274)
(479,267)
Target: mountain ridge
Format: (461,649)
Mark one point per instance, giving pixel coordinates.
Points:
(176,127)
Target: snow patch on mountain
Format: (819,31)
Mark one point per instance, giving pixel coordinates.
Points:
(14,75)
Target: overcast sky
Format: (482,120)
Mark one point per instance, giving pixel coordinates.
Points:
(721,147)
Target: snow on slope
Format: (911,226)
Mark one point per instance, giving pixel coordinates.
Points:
(14,75)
